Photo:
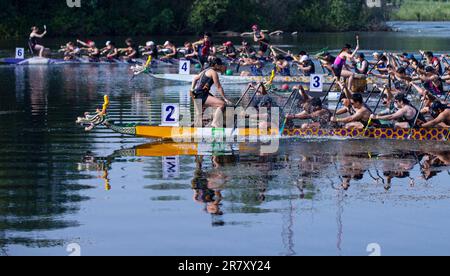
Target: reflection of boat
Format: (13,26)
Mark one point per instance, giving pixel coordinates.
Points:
(187,149)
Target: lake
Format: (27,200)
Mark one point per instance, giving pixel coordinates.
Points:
(101,193)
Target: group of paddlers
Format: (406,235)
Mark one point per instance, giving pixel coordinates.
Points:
(408,77)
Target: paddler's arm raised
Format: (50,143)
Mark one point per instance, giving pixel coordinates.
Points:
(356,49)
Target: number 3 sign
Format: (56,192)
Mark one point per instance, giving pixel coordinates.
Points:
(316,84)
(170,114)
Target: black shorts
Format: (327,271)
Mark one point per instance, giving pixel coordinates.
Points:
(337,71)
(203,95)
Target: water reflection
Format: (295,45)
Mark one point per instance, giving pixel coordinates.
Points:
(226,181)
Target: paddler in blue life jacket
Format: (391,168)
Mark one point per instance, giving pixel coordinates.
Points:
(282,66)
(256,67)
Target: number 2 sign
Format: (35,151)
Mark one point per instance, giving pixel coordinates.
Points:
(316,84)
(170,114)
(185,67)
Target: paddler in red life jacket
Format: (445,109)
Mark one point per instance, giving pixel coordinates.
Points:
(205,48)
(433,61)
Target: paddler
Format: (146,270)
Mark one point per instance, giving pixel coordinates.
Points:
(189,51)
(319,115)
(441,115)
(170,51)
(205,48)
(201,87)
(150,49)
(131,52)
(33,40)
(230,51)
(246,50)
(433,61)
(305,64)
(406,114)
(110,51)
(359,113)
(70,51)
(361,65)
(256,67)
(432,81)
(282,66)
(92,51)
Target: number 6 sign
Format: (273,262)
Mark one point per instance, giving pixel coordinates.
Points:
(185,67)
(316,84)
(170,115)
(20,53)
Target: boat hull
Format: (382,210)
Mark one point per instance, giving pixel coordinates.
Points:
(195,134)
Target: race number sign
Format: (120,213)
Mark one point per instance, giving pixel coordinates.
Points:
(316,84)
(185,67)
(170,114)
(171,167)
(20,53)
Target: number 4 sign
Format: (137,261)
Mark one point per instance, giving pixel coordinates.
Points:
(170,115)
(20,53)
(185,67)
(316,84)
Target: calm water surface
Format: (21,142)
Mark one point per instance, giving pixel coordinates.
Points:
(115,195)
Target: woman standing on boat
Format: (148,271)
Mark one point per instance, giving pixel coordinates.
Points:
(260,37)
(339,64)
(201,87)
(33,41)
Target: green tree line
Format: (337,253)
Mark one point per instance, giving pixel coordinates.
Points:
(144,17)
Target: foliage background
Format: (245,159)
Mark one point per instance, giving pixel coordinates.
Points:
(144,17)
